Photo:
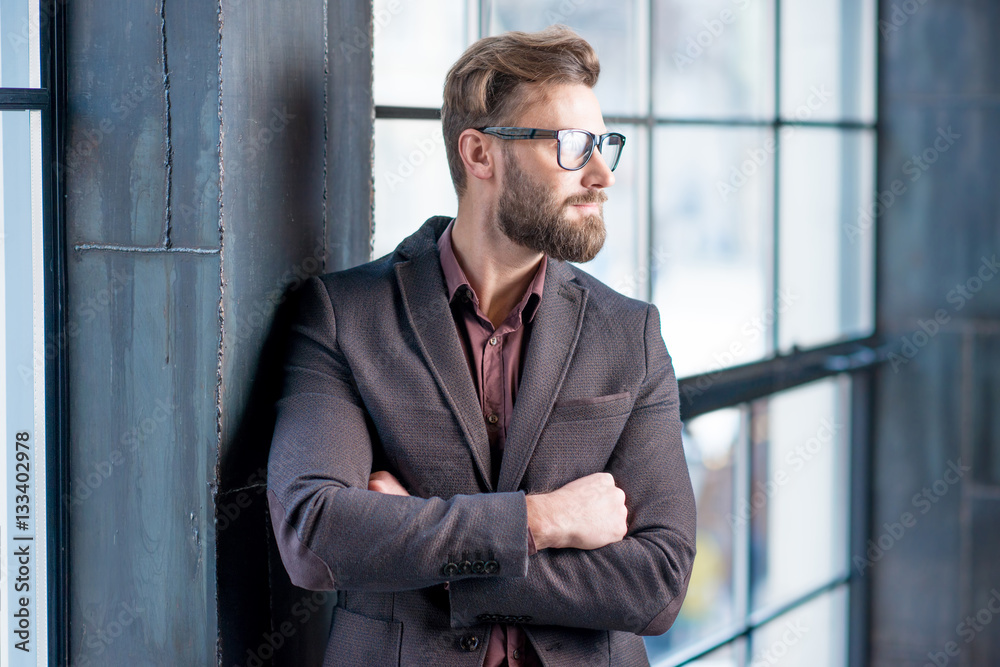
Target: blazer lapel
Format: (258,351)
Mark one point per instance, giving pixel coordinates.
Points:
(425,300)
(556,329)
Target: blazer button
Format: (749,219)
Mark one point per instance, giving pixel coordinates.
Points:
(470,642)
(492,567)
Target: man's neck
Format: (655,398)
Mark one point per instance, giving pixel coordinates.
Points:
(498,269)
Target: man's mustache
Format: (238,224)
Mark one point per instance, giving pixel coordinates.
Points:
(591,197)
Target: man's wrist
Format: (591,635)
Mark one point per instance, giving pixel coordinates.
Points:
(539,522)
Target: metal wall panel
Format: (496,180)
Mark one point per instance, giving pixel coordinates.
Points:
(940,310)
(217,153)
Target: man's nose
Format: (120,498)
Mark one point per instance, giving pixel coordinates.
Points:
(597,174)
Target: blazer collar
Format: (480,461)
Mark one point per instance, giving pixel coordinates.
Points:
(556,329)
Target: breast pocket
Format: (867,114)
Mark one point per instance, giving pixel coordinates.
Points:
(591,407)
(577,440)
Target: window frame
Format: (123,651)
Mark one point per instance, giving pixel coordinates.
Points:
(733,386)
(48,99)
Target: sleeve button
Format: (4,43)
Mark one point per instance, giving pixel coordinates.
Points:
(466,567)
(450,570)
(491,567)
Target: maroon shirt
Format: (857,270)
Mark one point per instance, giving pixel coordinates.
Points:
(496,358)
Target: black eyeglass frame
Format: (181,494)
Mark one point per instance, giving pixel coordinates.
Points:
(596,141)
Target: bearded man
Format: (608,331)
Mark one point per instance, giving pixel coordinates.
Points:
(478,445)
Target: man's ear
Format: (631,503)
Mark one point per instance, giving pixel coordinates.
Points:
(478,154)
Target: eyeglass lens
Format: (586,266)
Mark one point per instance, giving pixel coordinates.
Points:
(576,146)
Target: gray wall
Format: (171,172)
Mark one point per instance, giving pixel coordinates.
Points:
(200,186)
(938,401)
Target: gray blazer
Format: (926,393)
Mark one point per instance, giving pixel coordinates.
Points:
(375,378)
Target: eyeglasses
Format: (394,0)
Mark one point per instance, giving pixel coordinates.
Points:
(573,147)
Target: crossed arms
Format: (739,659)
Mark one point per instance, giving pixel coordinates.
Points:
(593,568)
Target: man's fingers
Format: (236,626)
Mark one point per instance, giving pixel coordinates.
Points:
(383,482)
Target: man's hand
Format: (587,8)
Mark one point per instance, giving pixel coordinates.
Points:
(587,513)
(384,482)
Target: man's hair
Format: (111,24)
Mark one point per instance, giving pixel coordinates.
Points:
(486,87)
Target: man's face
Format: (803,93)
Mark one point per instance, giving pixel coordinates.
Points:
(543,206)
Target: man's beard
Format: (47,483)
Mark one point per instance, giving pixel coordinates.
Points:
(531,216)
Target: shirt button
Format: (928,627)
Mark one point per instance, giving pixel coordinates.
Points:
(493,341)
(517,654)
(493,419)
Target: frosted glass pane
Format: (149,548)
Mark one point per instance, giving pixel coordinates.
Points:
(814,634)
(713,58)
(415,46)
(826,245)
(20,26)
(828,60)
(798,497)
(712,244)
(412,181)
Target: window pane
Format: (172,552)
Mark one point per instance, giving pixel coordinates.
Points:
(712,244)
(814,634)
(415,46)
(713,58)
(20,23)
(727,655)
(798,494)
(412,181)
(616,30)
(828,59)
(619,264)
(827,243)
(22,366)
(710,446)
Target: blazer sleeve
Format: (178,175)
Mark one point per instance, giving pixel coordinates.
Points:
(638,583)
(331,531)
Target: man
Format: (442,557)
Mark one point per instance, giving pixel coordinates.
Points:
(473,498)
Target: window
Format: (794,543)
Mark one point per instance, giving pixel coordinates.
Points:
(30,353)
(739,209)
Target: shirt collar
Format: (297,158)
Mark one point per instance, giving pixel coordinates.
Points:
(458,284)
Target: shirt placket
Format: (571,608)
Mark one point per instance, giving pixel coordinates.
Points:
(493,402)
